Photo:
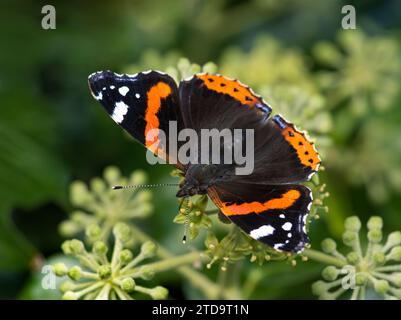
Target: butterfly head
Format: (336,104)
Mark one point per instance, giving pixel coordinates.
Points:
(194,182)
(199,178)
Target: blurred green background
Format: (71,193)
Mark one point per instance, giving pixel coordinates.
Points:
(341,85)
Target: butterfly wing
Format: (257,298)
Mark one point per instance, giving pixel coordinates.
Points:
(282,154)
(143,104)
(214,101)
(273,214)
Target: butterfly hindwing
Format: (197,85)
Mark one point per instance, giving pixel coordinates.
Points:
(143,104)
(274,215)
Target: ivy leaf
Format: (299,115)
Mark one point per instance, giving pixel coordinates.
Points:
(15,251)
(31,171)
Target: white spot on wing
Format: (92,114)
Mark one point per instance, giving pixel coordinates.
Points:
(282,216)
(99,96)
(289,235)
(123,90)
(112,87)
(262,231)
(137,95)
(287,226)
(119,112)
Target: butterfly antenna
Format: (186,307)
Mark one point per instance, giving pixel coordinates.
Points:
(138,186)
(184,204)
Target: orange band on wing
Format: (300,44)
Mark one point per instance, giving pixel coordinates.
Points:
(285,201)
(230,87)
(159,91)
(304,148)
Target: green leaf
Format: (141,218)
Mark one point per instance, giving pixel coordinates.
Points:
(31,171)
(15,251)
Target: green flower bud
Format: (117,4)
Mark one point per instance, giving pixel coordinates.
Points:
(122,231)
(395,254)
(70,295)
(104,271)
(353,224)
(394,239)
(77,247)
(381,286)
(66,286)
(183,64)
(143,210)
(158,293)
(353,257)
(69,228)
(375,223)
(79,193)
(66,247)
(148,249)
(125,256)
(78,217)
(319,288)
(147,273)
(329,245)
(93,231)
(112,174)
(396,277)
(361,279)
(330,273)
(60,269)
(99,248)
(375,235)
(349,237)
(138,177)
(128,284)
(75,273)
(98,185)
(144,196)
(201,203)
(379,258)
(209,67)
(327,53)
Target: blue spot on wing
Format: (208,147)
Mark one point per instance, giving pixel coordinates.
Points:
(264,107)
(280,121)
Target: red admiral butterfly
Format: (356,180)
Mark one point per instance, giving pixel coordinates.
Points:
(269,204)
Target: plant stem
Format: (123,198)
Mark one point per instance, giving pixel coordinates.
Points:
(389,268)
(323,258)
(198,280)
(169,263)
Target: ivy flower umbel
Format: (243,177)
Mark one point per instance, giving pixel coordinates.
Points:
(366,71)
(99,207)
(378,267)
(99,277)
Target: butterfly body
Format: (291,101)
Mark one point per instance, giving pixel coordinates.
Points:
(200,177)
(269,203)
